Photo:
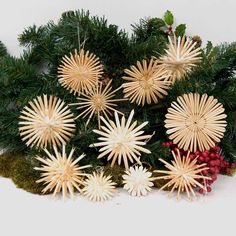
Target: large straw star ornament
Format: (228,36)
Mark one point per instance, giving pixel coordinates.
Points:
(80,72)
(147,83)
(182,55)
(46,121)
(121,140)
(195,122)
(61,172)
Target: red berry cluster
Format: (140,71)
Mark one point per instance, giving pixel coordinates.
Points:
(213,159)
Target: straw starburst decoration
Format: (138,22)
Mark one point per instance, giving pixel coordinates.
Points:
(138,181)
(46,121)
(183,175)
(99,187)
(147,83)
(181,57)
(61,173)
(121,140)
(98,102)
(79,72)
(195,122)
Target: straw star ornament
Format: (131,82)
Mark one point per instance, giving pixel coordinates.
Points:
(61,172)
(181,57)
(46,121)
(99,187)
(183,175)
(195,122)
(138,181)
(98,102)
(80,72)
(147,83)
(121,140)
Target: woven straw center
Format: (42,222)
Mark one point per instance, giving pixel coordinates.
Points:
(195,123)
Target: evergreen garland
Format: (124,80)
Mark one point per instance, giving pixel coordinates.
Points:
(35,73)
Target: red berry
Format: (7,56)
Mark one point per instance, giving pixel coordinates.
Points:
(217,162)
(217,156)
(208,189)
(212,170)
(217,170)
(212,155)
(207,159)
(197,153)
(214,177)
(221,158)
(201,190)
(192,157)
(217,148)
(205,154)
(211,163)
(222,165)
(201,159)
(210,182)
(205,172)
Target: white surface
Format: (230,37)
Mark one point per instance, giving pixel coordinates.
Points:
(212,19)
(25,214)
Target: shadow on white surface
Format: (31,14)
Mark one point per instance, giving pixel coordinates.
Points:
(22,213)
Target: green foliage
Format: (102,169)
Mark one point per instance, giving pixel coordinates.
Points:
(116,172)
(3,50)
(35,73)
(169,18)
(148,39)
(19,83)
(180,30)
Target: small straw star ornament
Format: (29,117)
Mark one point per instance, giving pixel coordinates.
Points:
(181,57)
(138,181)
(99,187)
(183,175)
(98,102)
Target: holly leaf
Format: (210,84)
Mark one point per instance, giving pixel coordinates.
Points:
(180,30)
(169,18)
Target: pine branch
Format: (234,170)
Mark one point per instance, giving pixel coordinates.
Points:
(3,50)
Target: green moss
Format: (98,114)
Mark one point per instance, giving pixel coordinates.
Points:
(21,170)
(6,161)
(231,171)
(24,176)
(158,183)
(116,172)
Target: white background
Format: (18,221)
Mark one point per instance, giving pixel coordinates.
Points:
(212,19)
(25,214)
